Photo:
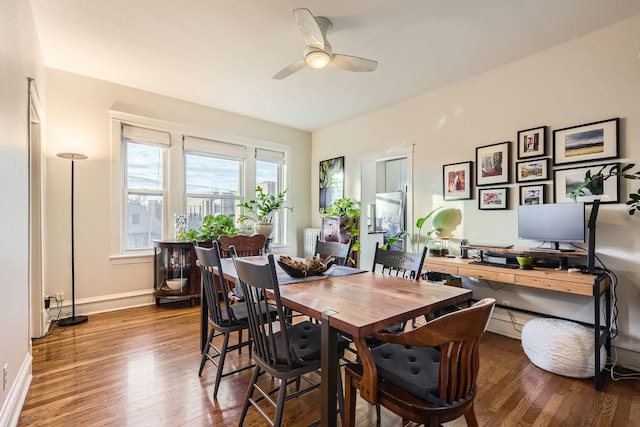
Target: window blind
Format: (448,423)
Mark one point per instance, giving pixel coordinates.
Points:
(132,133)
(270,156)
(194,145)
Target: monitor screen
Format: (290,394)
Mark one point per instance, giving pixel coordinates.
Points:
(552,222)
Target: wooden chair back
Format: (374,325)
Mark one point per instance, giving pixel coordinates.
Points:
(245,245)
(399,263)
(340,251)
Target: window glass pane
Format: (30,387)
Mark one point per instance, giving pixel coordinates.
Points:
(144,220)
(144,167)
(207,175)
(267,176)
(198,207)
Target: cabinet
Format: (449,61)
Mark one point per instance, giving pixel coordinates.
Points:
(175,273)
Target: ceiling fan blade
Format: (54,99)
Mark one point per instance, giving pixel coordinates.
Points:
(352,63)
(288,70)
(311,31)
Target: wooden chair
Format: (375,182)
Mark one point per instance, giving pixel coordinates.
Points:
(427,375)
(224,317)
(399,263)
(285,352)
(340,251)
(245,245)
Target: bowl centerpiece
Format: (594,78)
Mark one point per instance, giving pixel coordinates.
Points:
(310,266)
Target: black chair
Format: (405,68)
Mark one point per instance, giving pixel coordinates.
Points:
(285,351)
(340,251)
(224,317)
(253,245)
(427,375)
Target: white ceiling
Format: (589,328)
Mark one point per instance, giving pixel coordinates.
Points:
(222,53)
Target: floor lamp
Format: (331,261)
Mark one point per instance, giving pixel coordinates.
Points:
(73,320)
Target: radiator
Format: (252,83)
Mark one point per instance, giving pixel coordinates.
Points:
(310,237)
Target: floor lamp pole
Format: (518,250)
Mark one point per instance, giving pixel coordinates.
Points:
(73,320)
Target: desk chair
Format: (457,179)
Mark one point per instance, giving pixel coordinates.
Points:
(285,352)
(427,375)
(340,251)
(224,317)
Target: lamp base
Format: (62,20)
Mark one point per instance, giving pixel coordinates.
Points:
(71,321)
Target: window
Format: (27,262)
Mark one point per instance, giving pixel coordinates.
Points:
(213,178)
(144,153)
(269,176)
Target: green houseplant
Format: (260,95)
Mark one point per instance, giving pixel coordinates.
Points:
(212,227)
(262,209)
(349,212)
(602,175)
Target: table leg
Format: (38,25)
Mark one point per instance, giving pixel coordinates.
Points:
(329,371)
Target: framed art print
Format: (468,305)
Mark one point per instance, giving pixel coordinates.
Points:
(457,181)
(331,181)
(586,143)
(493,198)
(606,190)
(532,143)
(532,194)
(492,163)
(532,170)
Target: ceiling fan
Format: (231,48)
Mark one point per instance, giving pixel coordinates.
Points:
(318,52)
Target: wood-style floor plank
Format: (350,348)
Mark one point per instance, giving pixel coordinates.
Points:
(139,367)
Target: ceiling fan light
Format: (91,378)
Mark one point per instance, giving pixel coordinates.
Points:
(317,59)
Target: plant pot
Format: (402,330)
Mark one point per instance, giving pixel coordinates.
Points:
(264,228)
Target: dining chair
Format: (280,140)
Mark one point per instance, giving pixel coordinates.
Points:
(340,251)
(427,375)
(245,246)
(286,352)
(224,317)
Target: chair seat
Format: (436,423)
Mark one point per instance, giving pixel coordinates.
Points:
(241,313)
(304,338)
(415,369)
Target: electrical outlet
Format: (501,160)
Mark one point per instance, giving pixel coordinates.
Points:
(59,296)
(5,376)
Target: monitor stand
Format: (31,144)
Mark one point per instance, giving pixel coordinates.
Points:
(563,263)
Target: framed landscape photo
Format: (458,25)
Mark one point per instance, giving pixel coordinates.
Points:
(586,143)
(493,198)
(532,194)
(532,170)
(532,143)
(331,181)
(457,181)
(607,191)
(492,163)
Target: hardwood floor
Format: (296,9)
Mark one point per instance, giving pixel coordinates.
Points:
(139,367)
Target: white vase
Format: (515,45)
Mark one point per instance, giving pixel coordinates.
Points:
(264,228)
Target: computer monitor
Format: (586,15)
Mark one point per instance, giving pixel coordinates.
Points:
(552,222)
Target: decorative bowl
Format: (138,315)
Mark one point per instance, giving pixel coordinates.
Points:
(525,261)
(177,284)
(310,266)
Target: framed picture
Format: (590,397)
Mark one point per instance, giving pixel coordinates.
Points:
(492,163)
(493,198)
(331,181)
(586,143)
(607,191)
(532,194)
(457,181)
(532,170)
(532,143)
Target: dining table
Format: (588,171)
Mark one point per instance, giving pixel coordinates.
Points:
(355,302)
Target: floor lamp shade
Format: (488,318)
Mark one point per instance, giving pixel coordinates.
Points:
(73,320)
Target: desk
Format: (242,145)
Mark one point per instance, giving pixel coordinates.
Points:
(358,304)
(597,287)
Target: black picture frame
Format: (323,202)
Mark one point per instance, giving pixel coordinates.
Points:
(496,198)
(533,194)
(331,181)
(457,181)
(532,142)
(492,163)
(607,191)
(587,143)
(532,170)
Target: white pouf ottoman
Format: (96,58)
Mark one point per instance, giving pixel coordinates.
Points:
(562,347)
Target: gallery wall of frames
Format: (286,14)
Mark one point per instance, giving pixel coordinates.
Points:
(541,174)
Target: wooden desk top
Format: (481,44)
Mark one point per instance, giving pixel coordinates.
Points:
(543,278)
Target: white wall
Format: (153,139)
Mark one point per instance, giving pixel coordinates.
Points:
(78,120)
(592,78)
(20,58)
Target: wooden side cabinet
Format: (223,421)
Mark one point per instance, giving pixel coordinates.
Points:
(175,273)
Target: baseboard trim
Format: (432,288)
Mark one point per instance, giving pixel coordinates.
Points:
(112,302)
(509,323)
(10,411)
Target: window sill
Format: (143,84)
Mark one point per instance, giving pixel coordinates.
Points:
(138,258)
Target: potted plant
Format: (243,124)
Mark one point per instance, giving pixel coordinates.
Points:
(211,228)
(262,209)
(349,213)
(603,175)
